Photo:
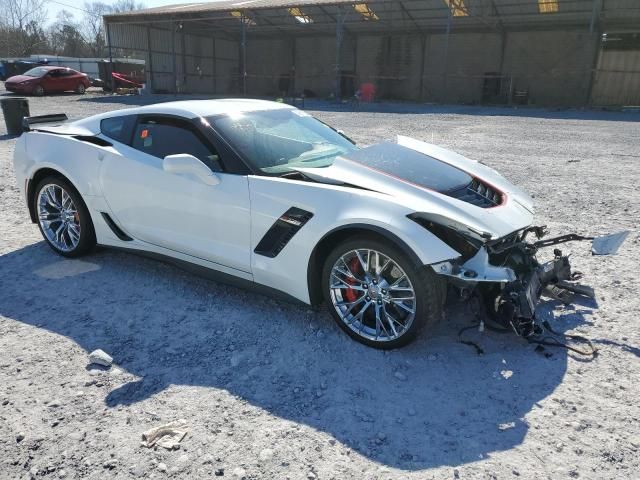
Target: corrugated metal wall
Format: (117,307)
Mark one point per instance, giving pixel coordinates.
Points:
(617,78)
(552,67)
(180,61)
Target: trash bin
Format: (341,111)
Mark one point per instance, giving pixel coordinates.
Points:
(14,110)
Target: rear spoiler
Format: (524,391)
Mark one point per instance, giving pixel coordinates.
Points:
(55,117)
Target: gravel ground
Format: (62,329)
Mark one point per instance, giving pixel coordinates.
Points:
(271,390)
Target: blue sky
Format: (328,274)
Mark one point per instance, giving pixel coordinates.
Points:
(54,6)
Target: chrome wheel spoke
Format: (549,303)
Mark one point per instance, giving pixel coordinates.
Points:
(390,319)
(345,273)
(360,314)
(66,200)
(74,233)
(51,197)
(49,216)
(406,299)
(342,284)
(384,267)
(363,265)
(403,306)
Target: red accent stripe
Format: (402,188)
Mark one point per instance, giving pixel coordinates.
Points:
(503,195)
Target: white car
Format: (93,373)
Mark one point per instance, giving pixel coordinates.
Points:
(265,194)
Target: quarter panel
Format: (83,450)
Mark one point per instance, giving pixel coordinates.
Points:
(76,160)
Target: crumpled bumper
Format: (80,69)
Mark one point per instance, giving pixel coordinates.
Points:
(523,283)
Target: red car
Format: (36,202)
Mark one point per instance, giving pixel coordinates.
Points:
(41,80)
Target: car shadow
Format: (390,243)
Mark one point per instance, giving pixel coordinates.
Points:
(168,327)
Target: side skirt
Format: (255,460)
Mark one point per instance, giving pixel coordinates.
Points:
(213,275)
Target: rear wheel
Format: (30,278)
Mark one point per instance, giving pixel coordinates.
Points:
(63,218)
(377,295)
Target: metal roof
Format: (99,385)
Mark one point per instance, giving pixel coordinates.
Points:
(320,16)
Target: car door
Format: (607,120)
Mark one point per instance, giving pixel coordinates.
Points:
(177,211)
(53,81)
(68,80)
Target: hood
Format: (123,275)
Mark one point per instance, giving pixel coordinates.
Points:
(20,78)
(435,183)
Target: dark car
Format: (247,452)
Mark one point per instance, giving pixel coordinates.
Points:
(42,80)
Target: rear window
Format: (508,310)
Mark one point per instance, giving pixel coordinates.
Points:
(118,128)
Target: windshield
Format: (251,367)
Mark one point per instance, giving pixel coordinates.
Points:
(36,72)
(277,141)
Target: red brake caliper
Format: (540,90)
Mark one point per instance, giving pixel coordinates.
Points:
(350,294)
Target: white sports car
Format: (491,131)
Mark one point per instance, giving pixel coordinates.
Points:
(265,194)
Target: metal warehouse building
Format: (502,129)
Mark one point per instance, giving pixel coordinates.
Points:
(544,52)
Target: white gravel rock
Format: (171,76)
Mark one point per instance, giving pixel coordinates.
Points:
(100,357)
(239,472)
(266,454)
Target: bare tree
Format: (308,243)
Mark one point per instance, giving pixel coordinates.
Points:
(126,6)
(21,23)
(19,13)
(66,38)
(93,26)
(22,34)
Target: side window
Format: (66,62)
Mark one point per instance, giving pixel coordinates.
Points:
(167,136)
(118,128)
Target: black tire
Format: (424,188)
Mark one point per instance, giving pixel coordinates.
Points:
(429,288)
(81,89)
(87,240)
(38,91)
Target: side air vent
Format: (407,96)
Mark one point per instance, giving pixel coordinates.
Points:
(117,231)
(282,232)
(94,140)
(479,194)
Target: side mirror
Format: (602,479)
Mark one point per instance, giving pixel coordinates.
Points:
(186,164)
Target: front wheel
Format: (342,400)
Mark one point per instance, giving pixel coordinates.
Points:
(81,89)
(63,218)
(377,295)
(38,91)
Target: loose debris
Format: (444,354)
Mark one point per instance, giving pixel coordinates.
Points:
(100,357)
(167,436)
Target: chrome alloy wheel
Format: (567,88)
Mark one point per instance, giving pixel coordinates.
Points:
(372,295)
(58,217)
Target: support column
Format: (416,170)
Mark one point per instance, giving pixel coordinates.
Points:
(214,67)
(340,18)
(110,79)
(243,53)
(423,50)
(596,35)
(292,82)
(445,83)
(173,56)
(183,52)
(149,65)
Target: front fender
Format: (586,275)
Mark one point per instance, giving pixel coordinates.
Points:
(334,208)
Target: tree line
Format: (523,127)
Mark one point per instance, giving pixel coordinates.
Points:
(24,30)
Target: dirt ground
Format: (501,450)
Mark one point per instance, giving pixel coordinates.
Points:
(272,390)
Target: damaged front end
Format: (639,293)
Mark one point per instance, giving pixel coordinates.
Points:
(508,275)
